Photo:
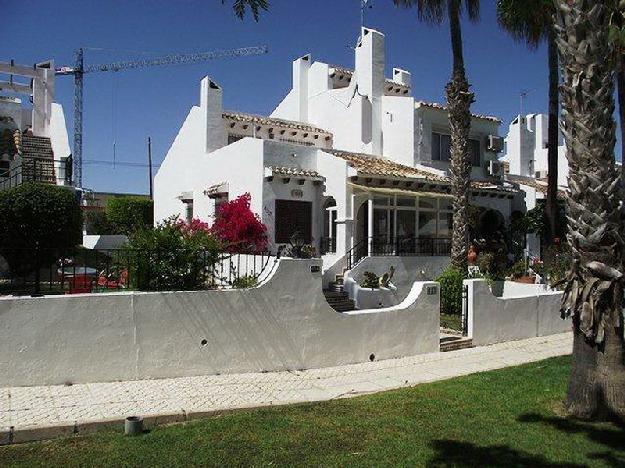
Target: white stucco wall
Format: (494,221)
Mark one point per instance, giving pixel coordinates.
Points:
(283,324)
(398,129)
(525,313)
(407,271)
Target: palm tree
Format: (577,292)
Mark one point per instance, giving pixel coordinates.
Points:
(532,21)
(593,295)
(459,100)
(241,6)
(617,37)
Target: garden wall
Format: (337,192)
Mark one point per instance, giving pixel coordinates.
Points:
(407,270)
(521,311)
(285,323)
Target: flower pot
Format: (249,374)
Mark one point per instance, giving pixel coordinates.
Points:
(526,279)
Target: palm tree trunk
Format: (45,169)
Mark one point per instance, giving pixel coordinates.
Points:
(594,290)
(620,85)
(552,141)
(459,100)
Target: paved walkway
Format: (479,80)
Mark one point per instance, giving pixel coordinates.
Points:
(31,413)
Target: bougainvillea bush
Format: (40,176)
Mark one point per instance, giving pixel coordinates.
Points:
(238,228)
(172,256)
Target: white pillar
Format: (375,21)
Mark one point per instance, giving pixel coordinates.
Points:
(370,225)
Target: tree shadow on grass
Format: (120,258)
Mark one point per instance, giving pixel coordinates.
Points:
(613,439)
(465,454)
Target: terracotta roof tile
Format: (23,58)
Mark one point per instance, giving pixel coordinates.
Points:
(260,120)
(294,172)
(434,105)
(375,165)
(536,184)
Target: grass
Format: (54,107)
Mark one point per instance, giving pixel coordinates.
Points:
(509,417)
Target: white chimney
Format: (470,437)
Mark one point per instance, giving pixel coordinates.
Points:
(211,106)
(402,77)
(301,67)
(370,80)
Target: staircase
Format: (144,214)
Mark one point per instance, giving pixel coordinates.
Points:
(454,343)
(337,298)
(37,159)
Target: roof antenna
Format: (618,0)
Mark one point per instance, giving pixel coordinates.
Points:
(364,4)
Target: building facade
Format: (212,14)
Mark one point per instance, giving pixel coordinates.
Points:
(349,160)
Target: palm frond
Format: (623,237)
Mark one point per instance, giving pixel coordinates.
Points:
(435,11)
(526,20)
(240,7)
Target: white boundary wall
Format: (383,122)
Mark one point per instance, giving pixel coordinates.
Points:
(285,323)
(523,311)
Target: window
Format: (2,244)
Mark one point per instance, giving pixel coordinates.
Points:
(428,203)
(441,146)
(291,217)
(441,149)
(220,200)
(474,153)
(188,211)
(427,224)
(445,223)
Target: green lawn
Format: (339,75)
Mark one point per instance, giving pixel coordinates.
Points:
(509,417)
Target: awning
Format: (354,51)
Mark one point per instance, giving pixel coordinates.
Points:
(394,191)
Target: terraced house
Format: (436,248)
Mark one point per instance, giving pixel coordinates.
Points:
(34,144)
(349,160)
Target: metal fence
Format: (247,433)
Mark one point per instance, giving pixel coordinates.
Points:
(51,271)
(399,246)
(35,169)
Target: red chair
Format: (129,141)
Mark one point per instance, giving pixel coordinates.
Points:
(80,284)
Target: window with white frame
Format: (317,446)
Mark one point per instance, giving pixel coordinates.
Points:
(407,217)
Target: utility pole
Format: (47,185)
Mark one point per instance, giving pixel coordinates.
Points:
(150,168)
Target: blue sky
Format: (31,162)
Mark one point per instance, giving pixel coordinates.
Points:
(129,106)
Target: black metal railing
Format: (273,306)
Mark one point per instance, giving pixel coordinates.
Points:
(327,245)
(52,271)
(399,246)
(36,169)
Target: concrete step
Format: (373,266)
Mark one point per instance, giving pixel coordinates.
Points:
(339,301)
(454,343)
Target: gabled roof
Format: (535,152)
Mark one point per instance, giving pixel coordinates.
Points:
(375,165)
(281,123)
(434,105)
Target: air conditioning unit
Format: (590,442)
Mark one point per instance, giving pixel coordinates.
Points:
(541,174)
(496,168)
(494,144)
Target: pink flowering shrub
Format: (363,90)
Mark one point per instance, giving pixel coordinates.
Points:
(238,228)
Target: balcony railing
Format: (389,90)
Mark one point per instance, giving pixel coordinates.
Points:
(399,246)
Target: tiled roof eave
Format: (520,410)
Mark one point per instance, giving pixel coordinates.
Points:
(281,123)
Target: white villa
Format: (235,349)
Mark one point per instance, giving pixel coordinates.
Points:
(349,159)
(526,157)
(33,138)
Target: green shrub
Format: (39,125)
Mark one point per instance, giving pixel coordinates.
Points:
(518,269)
(244,282)
(558,261)
(370,280)
(172,256)
(451,291)
(97,223)
(129,214)
(38,222)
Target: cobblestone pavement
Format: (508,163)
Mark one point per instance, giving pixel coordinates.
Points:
(29,413)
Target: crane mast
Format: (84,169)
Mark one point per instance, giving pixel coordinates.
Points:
(79,69)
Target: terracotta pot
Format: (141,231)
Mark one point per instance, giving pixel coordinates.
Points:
(472,255)
(526,279)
